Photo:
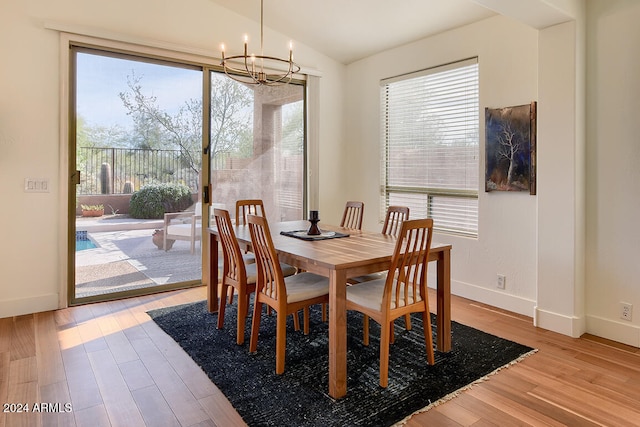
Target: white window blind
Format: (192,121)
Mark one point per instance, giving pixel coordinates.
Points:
(430,126)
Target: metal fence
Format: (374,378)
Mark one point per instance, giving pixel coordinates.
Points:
(124,170)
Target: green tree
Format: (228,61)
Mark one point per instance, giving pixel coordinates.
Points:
(154,128)
(88,135)
(230,118)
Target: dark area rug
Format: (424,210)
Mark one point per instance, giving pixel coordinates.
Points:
(299,396)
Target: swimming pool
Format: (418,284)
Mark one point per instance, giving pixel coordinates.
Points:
(83,242)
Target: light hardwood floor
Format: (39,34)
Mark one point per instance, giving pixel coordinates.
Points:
(115,367)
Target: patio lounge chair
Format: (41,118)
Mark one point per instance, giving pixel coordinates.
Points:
(185,225)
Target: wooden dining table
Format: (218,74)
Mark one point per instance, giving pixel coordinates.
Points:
(362,252)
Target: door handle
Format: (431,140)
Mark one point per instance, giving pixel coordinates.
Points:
(205,194)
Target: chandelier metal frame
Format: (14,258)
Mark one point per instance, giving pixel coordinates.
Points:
(255,67)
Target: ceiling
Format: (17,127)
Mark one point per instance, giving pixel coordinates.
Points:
(349,30)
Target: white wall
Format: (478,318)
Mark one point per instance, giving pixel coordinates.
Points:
(32,256)
(517,231)
(507,53)
(613,171)
(560,185)
(570,252)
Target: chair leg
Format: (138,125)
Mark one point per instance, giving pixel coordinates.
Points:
(281,341)
(428,338)
(324,312)
(305,318)
(242,318)
(223,300)
(384,354)
(296,321)
(365,330)
(392,333)
(231,295)
(255,326)
(407,322)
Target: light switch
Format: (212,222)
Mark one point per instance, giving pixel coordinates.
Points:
(36,185)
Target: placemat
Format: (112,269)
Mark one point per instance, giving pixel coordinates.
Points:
(302,234)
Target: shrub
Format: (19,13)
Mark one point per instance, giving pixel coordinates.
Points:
(154,200)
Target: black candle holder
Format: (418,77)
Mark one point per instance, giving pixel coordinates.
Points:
(314,230)
(313,219)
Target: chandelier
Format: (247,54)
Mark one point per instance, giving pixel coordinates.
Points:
(252,69)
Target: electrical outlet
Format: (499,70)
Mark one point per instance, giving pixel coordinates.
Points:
(501,283)
(625,311)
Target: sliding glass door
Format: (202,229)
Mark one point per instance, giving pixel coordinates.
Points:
(258,146)
(142,157)
(136,146)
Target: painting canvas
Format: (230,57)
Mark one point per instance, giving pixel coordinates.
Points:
(510,148)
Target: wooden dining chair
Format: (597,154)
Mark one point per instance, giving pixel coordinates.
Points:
(286,295)
(236,274)
(403,291)
(352,216)
(393,220)
(244,207)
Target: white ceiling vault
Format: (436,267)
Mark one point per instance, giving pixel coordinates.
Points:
(349,30)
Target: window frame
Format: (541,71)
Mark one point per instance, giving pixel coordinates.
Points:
(430,192)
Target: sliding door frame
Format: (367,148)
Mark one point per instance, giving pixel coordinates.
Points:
(155,52)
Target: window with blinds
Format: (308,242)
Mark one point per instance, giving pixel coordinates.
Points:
(430,139)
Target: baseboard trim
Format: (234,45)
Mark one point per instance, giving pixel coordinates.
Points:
(493,298)
(20,306)
(572,326)
(567,325)
(620,331)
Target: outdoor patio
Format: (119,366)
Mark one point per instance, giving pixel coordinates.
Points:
(126,258)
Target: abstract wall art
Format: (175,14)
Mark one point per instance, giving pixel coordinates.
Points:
(511,148)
